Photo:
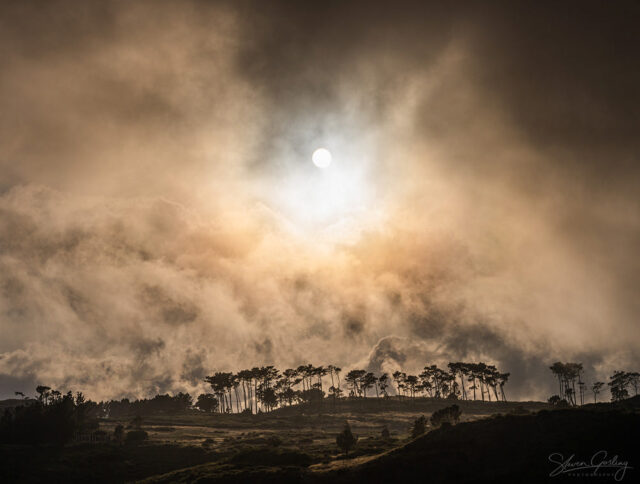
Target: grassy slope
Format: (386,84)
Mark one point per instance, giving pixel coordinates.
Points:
(506,448)
(502,449)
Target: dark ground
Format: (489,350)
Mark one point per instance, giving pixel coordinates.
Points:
(496,442)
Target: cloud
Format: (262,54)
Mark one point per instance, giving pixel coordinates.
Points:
(155,213)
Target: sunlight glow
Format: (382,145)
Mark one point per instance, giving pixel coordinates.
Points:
(321,157)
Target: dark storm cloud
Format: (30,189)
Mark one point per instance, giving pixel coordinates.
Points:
(141,145)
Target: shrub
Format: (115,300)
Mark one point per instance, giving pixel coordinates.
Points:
(419,427)
(556,401)
(345,439)
(207,442)
(118,433)
(448,414)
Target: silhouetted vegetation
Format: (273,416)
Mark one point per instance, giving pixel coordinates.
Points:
(419,427)
(262,389)
(556,401)
(346,440)
(449,415)
(569,377)
(620,382)
(492,450)
(52,419)
(207,402)
(135,446)
(160,404)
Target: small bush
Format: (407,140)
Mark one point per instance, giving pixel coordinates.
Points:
(556,401)
(448,414)
(345,439)
(419,427)
(118,433)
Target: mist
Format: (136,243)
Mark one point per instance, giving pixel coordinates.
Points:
(160,217)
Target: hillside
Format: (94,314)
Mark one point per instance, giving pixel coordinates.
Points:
(495,441)
(503,448)
(500,449)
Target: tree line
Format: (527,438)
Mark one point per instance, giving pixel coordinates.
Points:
(262,389)
(572,388)
(52,418)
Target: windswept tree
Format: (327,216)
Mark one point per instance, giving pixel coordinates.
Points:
(246,377)
(568,374)
(354,379)
(335,393)
(459,370)
(220,383)
(618,384)
(284,386)
(502,380)
(43,393)
(399,378)
(411,382)
(265,388)
(331,370)
(369,380)
(383,382)
(265,392)
(267,396)
(320,372)
(337,370)
(596,388)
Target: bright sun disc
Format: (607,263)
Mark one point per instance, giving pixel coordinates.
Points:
(321,158)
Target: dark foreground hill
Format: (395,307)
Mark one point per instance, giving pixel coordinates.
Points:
(497,442)
(507,449)
(501,449)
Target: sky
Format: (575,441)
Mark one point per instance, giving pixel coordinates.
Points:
(161,218)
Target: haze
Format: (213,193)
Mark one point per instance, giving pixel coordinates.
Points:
(161,219)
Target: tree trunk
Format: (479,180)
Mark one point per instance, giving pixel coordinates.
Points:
(255,394)
(235,390)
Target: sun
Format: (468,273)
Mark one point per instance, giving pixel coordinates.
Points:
(321,157)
